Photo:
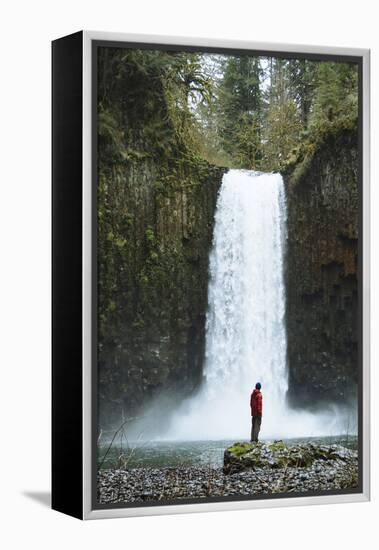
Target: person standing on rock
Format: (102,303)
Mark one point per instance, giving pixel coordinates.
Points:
(256,412)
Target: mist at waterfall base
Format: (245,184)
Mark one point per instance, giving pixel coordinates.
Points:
(245,325)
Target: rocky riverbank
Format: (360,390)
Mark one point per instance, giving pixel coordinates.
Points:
(249,469)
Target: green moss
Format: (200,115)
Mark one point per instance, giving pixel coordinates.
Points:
(238,449)
(150,236)
(277,445)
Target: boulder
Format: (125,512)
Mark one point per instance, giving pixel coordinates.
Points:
(277,454)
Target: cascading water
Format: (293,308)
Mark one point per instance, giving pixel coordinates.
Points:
(245,332)
(245,326)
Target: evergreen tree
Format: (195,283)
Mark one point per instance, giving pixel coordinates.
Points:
(240,112)
(301,82)
(283,121)
(335,102)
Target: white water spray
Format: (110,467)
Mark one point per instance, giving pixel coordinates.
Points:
(245,327)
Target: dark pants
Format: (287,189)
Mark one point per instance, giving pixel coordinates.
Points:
(255,427)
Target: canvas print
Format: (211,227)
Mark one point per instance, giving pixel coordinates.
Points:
(227,362)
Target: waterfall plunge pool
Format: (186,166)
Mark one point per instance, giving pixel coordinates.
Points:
(174,454)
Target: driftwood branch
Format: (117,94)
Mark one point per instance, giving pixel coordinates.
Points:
(115,435)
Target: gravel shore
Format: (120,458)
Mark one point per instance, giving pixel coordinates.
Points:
(155,484)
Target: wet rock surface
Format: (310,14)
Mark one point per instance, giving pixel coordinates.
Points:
(242,456)
(248,470)
(321,274)
(156,201)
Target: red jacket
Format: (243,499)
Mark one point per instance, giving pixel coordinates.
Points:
(256,403)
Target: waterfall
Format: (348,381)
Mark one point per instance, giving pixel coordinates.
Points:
(245,324)
(245,330)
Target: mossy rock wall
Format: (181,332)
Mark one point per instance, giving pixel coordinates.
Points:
(156,204)
(155,342)
(321,273)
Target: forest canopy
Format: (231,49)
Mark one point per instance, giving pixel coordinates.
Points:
(243,111)
(263,110)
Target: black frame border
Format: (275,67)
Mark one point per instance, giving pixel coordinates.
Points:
(67,270)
